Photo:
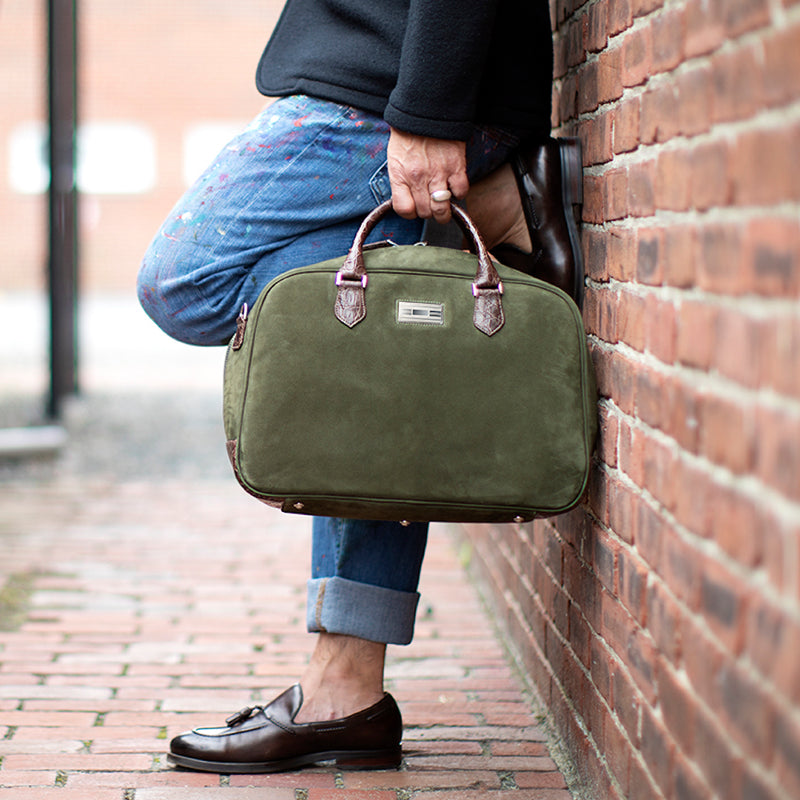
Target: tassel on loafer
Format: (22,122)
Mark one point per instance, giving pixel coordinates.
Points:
(266,739)
(550,181)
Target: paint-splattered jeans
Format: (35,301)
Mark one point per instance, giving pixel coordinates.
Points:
(290,190)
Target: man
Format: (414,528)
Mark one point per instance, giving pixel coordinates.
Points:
(424,101)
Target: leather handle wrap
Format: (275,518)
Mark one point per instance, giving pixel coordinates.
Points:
(350,307)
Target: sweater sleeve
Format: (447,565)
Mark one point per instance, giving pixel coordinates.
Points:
(441,64)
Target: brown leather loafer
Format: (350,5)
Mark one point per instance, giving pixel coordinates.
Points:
(266,739)
(550,181)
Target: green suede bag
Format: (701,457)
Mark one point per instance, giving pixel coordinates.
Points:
(411,383)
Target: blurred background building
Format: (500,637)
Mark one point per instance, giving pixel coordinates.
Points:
(161,86)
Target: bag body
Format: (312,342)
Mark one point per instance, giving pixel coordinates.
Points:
(427,407)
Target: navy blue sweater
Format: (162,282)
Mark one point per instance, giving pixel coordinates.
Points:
(432,67)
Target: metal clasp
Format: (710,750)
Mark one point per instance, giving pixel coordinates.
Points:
(499,288)
(340,279)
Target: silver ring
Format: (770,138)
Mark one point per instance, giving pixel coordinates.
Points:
(441,196)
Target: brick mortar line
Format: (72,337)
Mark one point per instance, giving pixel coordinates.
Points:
(789,110)
(577,717)
(704,381)
(760,307)
(753,578)
(679,671)
(728,214)
(783,14)
(742,660)
(767,120)
(780,18)
(748,485)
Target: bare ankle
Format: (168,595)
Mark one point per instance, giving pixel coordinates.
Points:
(328,703)
(345,675)
(495,206)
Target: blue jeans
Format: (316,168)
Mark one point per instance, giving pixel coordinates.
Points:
(291,190)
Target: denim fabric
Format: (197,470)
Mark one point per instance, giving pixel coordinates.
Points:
(291,190)
(364,578)
(288,191)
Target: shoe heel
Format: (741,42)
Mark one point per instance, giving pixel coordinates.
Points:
(384,759)
(572,170)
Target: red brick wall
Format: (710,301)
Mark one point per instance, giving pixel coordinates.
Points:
(660,622)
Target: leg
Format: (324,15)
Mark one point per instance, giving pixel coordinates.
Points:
(529,209)
(290,190)
(362,595)
(345,675)
(495,207)
(364,589)
(276,199)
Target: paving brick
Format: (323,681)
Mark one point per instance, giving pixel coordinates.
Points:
(11,777)
(467,763)
(307,779)
(214,793)
(480,794)
(361,794)
(88,733)
(79,761)
(52,793)
(540,780)
(132,645)
(142,780)
(438,779)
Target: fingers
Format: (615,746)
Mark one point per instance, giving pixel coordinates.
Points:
(459,184)
(425,174)
(411,192)
(403,201)
(440,205)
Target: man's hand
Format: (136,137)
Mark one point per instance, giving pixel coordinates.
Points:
(419,166)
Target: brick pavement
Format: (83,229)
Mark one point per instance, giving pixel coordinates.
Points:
(155,605)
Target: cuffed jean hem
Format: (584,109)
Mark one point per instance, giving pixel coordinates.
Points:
(338,605)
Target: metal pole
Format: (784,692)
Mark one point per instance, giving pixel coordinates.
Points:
(63,195)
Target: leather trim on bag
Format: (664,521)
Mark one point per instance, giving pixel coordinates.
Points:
(351,280)
(488,317)
(231,448)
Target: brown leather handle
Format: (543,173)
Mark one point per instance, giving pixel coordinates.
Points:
(351,279)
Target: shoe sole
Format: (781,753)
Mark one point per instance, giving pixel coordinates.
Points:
(346,759)
(572,201)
